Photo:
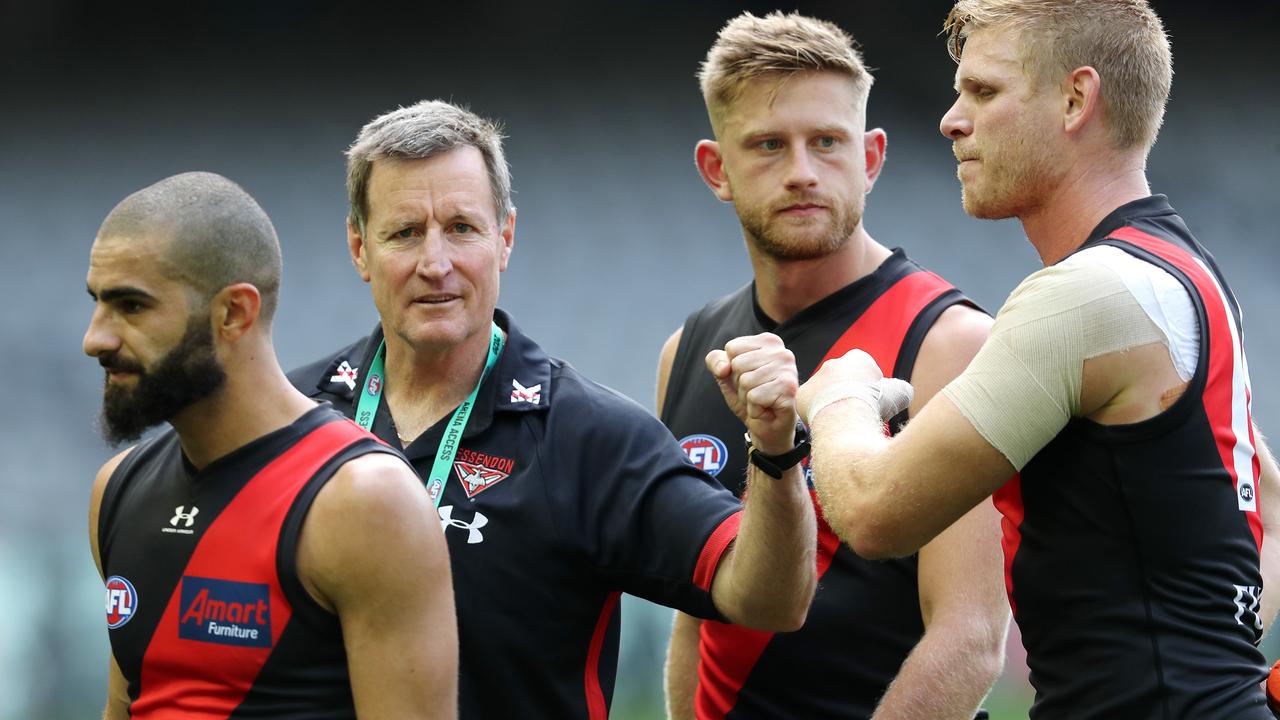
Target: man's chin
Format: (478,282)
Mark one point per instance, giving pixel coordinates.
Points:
(117,431)
(984,209)
(437,335)
(802,246)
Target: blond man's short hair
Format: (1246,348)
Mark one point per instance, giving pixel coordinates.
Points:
(1123,40)
(749,47)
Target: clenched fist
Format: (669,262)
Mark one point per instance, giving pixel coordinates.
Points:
(855,375)
(757,375)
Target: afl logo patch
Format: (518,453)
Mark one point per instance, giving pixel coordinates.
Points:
(122,601)
(706,452)
(375,384)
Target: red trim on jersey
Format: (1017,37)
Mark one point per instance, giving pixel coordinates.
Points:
(709,559)
(198,679)
(729,652)
(597,708)
(1008,500)
(1218,392)
(881,329)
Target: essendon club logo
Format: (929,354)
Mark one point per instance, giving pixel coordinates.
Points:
(225,612)
(122,601)
(480,471)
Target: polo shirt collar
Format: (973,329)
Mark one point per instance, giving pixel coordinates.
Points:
(520,382)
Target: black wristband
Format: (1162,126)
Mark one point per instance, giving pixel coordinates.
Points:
(775,465)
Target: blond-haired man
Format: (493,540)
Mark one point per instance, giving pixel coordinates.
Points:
(920,637)
(1114,379)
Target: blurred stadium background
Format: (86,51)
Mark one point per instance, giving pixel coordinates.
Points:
(617,238)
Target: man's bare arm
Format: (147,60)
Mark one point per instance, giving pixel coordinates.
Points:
(683,658)
(397,613)
(962,600)
(888,497)
(117,703)
(682,652)
(1269,511)
(117,694)
(966,618)
(767,578)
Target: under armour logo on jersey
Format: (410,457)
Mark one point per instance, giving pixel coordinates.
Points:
(182,520)
(520,393)
(474,535)
(344,373)
(1248,599)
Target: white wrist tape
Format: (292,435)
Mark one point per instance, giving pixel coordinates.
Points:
(887,398)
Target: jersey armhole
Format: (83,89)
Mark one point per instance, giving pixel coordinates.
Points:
(909,350)
(304,605)
(679,365)
(1192,395)
(109,503)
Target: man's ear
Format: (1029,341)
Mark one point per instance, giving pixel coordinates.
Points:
(235,310)
(710,163)
(355,244)
(874,142)
(508,234)
(1081,98)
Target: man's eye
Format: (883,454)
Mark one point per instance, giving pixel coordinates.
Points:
(771,144)
(826,141)
(404,234)
(131,307)
(461,228)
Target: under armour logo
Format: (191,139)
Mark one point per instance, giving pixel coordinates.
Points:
(473,528)
(1247,600)
(189,517)
(520,393)
(345,374)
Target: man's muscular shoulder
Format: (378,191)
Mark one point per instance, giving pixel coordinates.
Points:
(667,359)
(950,344)
(371,506)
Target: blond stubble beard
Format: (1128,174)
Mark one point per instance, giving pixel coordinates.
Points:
(775,243)
(1016,183)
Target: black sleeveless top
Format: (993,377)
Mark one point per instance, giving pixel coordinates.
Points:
(1133,550)
(865,618)
(207,616)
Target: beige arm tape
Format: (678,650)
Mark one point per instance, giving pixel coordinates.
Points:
(1023,386)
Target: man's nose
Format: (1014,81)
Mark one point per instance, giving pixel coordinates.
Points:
(99,339)
(801,173)
(955,124)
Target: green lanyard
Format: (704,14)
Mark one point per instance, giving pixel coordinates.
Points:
(440,469)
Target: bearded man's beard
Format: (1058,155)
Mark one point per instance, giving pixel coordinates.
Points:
(187,373)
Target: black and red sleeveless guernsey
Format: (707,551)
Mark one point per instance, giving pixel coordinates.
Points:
(865,618)
(1132,551)
(207,616)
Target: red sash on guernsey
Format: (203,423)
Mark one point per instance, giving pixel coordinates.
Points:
(1226,397)
(240,547)
(729,652)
